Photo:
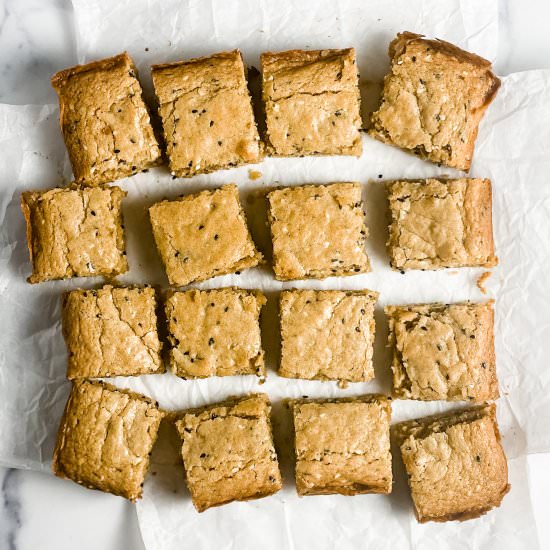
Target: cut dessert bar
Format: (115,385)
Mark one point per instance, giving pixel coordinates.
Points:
(105,438)
(215,332)
(312,102)
(343,445)
(228,451)
(434,99)
(437,223)
(203,235)
(74,232)
(317,231)
(206,114)
(443,351)
(111,331)
(455,463)
(327,334)
(105,121)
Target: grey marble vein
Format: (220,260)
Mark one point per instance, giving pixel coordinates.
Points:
(10,511)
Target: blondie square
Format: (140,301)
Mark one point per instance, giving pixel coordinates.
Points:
(111,331)
(215,332)
(228,452)
(434,99)
(441,223)
(343,445)
(206,114)
(105,438)
(327,334)
(455,463)
(203,235)
(317,231)
(443,352)
(312,102)
(75,232)
(105,121)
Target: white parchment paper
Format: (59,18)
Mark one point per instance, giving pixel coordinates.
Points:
(513,149)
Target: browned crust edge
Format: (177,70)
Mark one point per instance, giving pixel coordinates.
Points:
(478,210)
(59,78)
(226,54)
(26,198)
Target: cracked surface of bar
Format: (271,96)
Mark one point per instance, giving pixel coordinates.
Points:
(327,334)
(105,438)
(228,451)
(440,223)
(342,445)
(312,102)
(105,122)
(443,351)
(203,235)
(317,231)
(75,232)
(456,467)
(434,98)
(111,331)
(206,114)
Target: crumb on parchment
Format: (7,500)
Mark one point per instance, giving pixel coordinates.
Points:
(482,279)
(254,175)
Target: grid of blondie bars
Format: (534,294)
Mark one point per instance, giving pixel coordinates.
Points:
(433,100)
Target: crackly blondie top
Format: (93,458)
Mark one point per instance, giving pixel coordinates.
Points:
(111,331)
(105,438)
(74,232)
(215,332)
(443,351)
(343,445)
(455,463)
(317,231)
(312,102)
(203,235)
(434,99)
(228,452)
(438,223)
(206,114)
(105,121)
(327,334)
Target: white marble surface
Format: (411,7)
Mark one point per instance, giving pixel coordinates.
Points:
(39,511)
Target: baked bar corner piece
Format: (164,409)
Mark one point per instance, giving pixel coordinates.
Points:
(111,331)
(443,351)
(215,332)
(439,223)
(105,438)
(317,231)
(455,463)
(203,235)
(312,102)
(206,114)
(74,232)
(104,120)
(433,100)
(327,334)
(342,445)
(228,451)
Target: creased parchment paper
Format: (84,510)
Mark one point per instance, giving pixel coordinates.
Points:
(513,149)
